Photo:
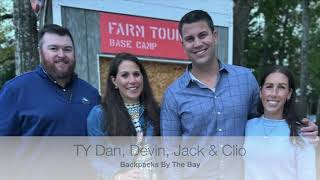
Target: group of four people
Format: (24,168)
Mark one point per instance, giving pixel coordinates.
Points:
(210,99)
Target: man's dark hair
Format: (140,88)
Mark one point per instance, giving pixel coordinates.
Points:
(54,29)
(195,16)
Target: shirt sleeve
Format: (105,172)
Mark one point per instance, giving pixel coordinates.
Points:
(170,122)
(253,111)
(9,120)
(94,121)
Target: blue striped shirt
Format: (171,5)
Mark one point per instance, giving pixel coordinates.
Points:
(192,109)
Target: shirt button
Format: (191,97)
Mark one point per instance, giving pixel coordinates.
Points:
(64,90)
(215,97)
(219,113)
(220,129)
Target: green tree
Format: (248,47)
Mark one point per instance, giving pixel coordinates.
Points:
(7,66)
(25,23)
(304,56)
(314,59)
(275,36)
(272,25)
(241,12)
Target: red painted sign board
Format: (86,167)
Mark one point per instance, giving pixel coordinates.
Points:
(142,36)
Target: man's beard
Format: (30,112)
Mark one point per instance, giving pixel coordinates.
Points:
(54,72)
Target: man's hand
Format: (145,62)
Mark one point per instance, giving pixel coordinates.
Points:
(310,130)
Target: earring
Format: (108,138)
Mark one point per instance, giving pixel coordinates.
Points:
(115,86)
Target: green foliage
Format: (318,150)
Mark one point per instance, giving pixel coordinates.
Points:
(277,42)
(314,57)
(7,66)
(275,38)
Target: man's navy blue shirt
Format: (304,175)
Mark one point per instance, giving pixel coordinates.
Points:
(34,105)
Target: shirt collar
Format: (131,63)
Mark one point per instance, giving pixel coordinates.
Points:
(187,79)
(42,72)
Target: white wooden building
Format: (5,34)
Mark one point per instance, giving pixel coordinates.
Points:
(92,22)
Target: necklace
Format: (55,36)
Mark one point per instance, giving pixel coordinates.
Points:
(267,131)
(134,111)
(270,126)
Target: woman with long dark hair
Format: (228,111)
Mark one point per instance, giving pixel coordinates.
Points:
(278,97)
(127,109)
(280,152)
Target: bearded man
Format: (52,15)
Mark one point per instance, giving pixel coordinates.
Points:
(51,100)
